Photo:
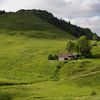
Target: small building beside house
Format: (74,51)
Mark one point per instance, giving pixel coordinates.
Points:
(62,57)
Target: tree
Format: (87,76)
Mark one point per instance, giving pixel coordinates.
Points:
(95,37)
(2,12)
(69,23)
(83,46)
(70,46)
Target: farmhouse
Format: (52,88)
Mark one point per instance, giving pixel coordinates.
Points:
(62,57)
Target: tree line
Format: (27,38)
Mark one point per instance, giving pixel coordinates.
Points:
(2,12)
(65,26)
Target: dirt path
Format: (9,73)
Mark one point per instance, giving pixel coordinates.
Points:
(80,76)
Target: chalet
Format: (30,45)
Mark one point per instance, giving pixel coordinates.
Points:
(62,57)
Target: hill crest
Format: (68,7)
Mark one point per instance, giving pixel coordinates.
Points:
(41,20)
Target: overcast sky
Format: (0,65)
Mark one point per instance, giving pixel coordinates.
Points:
(85,13)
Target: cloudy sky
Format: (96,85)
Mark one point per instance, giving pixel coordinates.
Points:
(85,13)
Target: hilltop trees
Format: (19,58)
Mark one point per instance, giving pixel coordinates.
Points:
(2,12)
(63,25)
(96,37)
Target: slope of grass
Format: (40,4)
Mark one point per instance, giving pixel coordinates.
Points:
(29,24)
(26,74)
(28,58)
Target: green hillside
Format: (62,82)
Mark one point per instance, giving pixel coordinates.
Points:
(26,73)
(40,23)
(27,23)
(27,37)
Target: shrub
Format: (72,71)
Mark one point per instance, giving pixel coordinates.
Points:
(2,12)
(55,57)
(50,57)
(93,93)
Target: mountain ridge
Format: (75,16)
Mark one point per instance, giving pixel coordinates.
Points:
(41,20)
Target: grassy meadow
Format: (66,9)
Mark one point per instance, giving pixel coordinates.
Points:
(26,73)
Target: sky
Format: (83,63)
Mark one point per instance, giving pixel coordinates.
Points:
(84,13)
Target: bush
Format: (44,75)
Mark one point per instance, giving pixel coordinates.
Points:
(55,57)
(2,12)
(93,93)
(50,57)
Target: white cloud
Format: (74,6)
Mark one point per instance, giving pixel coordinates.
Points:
(13,5)
(68,8)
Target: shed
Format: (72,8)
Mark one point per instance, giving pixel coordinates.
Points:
(62,57)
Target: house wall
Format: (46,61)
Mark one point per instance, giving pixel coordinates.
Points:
(61,59)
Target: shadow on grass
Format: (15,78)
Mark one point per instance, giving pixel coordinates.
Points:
(97,56)
(11,84)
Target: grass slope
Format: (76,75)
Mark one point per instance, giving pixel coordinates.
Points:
(26,74)
(27,23)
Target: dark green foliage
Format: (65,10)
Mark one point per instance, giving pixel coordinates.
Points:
(83,47)
(50,57)
(96,37)
(70,46)
(2,12)
(93,93)
(56,57)
(53,57)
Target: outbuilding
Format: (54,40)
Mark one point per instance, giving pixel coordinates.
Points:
(62,57)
